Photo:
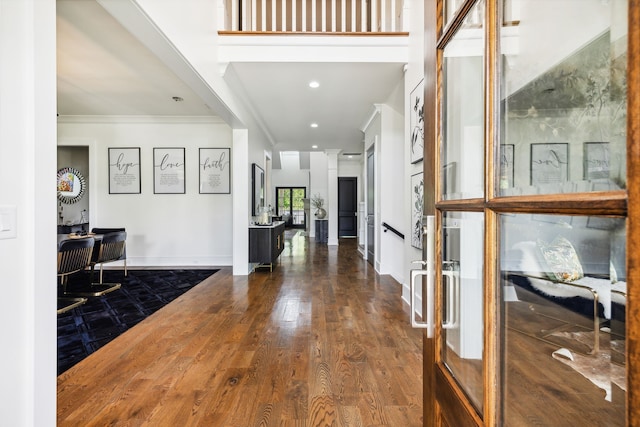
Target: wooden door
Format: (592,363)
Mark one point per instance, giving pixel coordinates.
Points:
(347,206)
(535,152)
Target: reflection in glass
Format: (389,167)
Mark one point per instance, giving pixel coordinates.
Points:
(563,97)
(564,298)
(462,290)
(462,173)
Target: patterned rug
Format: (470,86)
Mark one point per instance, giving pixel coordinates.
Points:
(85,329)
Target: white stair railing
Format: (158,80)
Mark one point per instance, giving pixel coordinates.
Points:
(332,16)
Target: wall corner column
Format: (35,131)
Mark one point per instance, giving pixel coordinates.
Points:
(332,194)
(240,194)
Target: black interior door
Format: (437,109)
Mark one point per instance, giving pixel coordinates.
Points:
(347,207)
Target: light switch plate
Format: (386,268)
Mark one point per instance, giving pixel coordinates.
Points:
(8,226)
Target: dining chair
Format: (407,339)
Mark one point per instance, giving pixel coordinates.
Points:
(112,248)
(108,230)
(73,256)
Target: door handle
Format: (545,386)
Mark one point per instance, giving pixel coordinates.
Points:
(427,323)
(452,289)
(428,272)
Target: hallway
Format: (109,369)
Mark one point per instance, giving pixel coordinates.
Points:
(320,341)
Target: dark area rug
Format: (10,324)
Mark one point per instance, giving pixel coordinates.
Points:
(85,329)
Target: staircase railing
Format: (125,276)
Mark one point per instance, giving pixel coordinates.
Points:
(312,16)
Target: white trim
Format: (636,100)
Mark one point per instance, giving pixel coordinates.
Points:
(142,119)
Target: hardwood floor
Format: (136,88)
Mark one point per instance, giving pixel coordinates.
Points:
(320,341)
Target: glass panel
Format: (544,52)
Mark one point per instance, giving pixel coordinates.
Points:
(450,9)
(563,99)
(462,172)
(564,297)
(462,290)
(452,6)
(297,206)
(284,201)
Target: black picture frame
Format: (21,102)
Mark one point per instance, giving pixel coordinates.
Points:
(507,155)
(169,170)
(124,170)
(417,206)
(416,122)
(549,163)
(596,160)
(214,170)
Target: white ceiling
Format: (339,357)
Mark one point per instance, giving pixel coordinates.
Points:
(104,70)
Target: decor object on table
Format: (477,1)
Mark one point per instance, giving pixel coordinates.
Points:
(168,171)
(215,170)
(124,170)
(318,204)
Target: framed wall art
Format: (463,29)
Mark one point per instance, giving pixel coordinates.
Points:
(506,165)
(124,170)
(417,203)
(416,122)
(596,160)
(168,171)
(549,163)
(215,170)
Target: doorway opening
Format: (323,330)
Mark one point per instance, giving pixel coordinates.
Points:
(290,206)
(347,207)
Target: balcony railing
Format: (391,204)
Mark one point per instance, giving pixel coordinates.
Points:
(312,16)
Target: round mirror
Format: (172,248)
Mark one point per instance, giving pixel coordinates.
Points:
(70,185)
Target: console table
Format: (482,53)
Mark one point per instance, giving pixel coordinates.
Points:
(67,229)
(266,243)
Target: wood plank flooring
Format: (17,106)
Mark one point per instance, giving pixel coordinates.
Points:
(320,341)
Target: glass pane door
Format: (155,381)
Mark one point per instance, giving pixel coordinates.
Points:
(462,164)
(564,108)
(564,289)
(563,130)
(291,206)
(462,301)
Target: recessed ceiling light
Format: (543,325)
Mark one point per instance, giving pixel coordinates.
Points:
(314,146)
(314,125)
(314,84)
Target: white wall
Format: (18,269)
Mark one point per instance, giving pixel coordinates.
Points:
(391,166)
(191,26)
(162,229)
(27,168)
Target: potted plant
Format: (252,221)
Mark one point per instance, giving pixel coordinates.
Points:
(318,202)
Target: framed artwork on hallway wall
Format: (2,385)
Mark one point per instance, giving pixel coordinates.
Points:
(168,171)
(124,170)
(416,122)
(215,170)
(417,203)
(549,163)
